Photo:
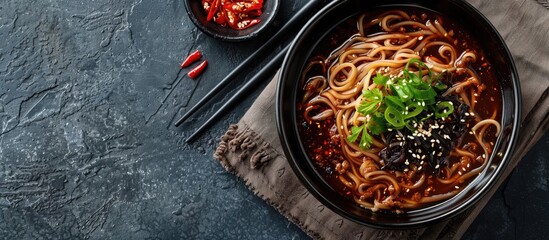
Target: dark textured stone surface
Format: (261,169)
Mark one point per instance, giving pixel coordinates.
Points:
(520,207)
(89,91)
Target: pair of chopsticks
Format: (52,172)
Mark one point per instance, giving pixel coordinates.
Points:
(264,72)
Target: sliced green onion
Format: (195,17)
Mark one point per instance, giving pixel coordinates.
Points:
(444,109)
(394,118)
(423,94)
(413,110)
(394,102)
(403,91)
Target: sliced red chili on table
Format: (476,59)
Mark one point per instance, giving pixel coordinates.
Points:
(196,71)
(193,57)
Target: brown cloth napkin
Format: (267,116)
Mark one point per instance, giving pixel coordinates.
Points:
(251,149)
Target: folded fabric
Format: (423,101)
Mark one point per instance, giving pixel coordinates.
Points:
(252,150)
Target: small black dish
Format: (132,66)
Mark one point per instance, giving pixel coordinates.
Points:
(198,17)
(290,82)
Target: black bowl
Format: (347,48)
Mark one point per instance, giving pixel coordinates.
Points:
(198,17)
(289,83)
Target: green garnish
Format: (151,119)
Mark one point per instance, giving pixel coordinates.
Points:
(380,79)
(400,104)
(371,102)
(444,109)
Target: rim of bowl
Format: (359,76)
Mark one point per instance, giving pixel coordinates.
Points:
(303,166)
(194,11)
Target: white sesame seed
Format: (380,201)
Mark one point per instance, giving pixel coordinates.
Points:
(437,166)
(419,168)
(457,187)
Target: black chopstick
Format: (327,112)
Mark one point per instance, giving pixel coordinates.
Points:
(261,75)
(293,22)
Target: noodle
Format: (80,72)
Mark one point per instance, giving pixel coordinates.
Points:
(434,157)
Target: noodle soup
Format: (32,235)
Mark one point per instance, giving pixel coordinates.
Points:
(399,110)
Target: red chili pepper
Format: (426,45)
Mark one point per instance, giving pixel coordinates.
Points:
(242,6)
(193,57)
(196,71)
(236,22)
(213,10)
(246,23)
(221,17)
(206,4)
(238,14)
